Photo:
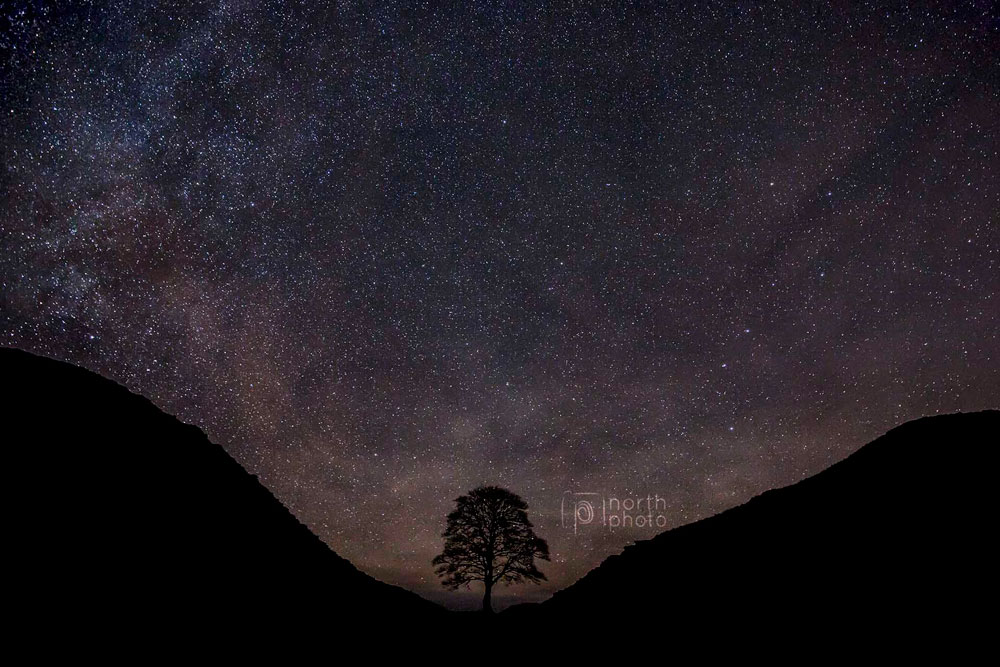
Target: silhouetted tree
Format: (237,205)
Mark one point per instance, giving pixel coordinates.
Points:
(490,539)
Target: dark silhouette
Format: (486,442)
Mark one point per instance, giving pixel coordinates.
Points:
(126,527)
(125,522)
(490,539)
(894,543)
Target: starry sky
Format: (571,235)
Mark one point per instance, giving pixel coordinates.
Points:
(387,252)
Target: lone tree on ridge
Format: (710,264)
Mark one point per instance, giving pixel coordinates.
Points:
(489,539)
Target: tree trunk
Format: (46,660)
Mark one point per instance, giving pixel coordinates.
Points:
(487,604)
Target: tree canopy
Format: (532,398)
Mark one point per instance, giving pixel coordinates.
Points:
(490,539)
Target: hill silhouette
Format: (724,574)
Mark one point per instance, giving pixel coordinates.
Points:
(123,517)
(895,538)
(123,521)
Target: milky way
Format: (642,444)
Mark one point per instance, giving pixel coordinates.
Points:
(383,254)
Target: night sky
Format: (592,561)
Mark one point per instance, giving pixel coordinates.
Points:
(384,254)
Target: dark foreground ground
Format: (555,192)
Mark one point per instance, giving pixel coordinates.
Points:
(127,529)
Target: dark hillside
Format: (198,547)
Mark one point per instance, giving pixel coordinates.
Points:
(900,534)
(118,514)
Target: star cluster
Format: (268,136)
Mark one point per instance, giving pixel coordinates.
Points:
(386,252)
